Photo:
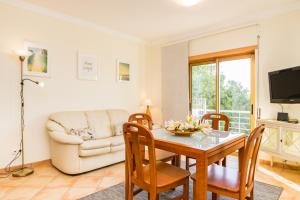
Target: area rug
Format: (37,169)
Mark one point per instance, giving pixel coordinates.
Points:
(262,191)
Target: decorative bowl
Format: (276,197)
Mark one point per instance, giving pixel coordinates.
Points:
(185,133)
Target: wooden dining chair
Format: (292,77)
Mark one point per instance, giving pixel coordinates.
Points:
(142,119)
(232,182)
(155,177)
(161,155)
(215,118)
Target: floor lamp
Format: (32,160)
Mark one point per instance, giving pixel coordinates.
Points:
(24,171)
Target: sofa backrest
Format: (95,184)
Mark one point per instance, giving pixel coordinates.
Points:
(68,120)
(117,118)
(103,122)
(99,122)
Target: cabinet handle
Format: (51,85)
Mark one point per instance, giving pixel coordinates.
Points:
(281,140)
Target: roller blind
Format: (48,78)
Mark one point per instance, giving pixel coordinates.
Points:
(224,41)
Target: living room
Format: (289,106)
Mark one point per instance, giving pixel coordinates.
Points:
(108,60)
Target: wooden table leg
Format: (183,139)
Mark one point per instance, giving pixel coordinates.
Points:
(126,179)
(178,161)
(241,156)
(201,179)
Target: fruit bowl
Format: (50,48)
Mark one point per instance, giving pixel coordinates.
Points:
(185,133)
(185,128)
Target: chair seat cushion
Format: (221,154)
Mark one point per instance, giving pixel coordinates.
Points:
(161,155)
(223,177)
(166,174)
(94,152)
(95,144)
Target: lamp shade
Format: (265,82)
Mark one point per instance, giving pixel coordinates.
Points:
(148,102)
(23,52)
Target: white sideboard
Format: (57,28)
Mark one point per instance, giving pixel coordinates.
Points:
(281,139)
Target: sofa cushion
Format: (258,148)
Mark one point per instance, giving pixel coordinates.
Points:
(117,140)
(70,119)
(118,148)
(94,152)
(100,123)
(95,144)
(85,134)
(118,129)
(117,119)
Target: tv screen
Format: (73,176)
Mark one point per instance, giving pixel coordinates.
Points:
(285,85)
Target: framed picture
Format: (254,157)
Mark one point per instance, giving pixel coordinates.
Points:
(123,71)
(87,67)
(37,64)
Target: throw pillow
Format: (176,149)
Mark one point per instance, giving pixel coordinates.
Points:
(85,133)
(118,129)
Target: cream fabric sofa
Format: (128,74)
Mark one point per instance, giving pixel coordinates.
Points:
(73,155)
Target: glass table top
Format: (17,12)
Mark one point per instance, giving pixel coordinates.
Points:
(199,140)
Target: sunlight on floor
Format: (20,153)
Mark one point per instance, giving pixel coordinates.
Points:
(279,178)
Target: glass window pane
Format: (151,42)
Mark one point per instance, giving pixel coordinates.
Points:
(203,89)
(234,84)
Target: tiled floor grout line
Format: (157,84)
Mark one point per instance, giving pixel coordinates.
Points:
(66,187)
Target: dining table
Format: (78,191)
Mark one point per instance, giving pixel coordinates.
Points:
(205,147)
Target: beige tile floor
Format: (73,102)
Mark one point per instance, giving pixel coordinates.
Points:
(48,183)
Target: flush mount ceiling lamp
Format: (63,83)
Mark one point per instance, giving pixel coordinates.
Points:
(187,3)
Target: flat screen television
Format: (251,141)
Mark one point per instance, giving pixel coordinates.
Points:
(285,85)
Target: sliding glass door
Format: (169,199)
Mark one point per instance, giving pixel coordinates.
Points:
(203,89)
(224,86)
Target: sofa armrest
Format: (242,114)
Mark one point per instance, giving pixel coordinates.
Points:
(64,138)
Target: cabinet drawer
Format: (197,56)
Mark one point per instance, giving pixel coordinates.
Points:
(290,142)
(270,139)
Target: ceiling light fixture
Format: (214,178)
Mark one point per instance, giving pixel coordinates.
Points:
(187,3)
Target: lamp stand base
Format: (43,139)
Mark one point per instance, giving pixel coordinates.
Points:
(23,172)
(148,112)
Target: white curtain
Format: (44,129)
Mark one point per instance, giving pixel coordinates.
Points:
(175,81)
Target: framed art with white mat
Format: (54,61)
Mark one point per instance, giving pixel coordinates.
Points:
(123,71)
(87,67)
(37,64)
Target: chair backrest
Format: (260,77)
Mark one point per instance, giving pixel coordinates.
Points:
(142,119)
(135,137)
(216,118)
(250,158)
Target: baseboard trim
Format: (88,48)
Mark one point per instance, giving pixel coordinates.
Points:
(33,164)
(279,164)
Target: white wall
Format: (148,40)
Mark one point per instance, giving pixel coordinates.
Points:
(279,48)
(154,81)
(280,44)
(63,91)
